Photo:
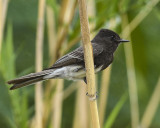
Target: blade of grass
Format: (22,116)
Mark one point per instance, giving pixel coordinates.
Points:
(139,17)
(39,58)
(151,107)
(115,111)
(23,111)
(6,114)
(7,66)
(7,70)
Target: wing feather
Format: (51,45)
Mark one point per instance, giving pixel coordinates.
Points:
(76,56)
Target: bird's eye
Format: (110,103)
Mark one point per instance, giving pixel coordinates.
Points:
(113,37)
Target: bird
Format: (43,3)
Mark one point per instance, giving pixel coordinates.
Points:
(72,65)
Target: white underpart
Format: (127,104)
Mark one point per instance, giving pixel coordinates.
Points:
(69,72)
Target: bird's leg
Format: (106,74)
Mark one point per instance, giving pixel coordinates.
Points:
(85,80)
(91,97)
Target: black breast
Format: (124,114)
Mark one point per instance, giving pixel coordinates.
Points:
(104,59)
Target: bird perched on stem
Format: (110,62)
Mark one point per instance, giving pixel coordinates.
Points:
(72,66)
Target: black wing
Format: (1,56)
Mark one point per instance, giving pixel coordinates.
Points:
(76,56)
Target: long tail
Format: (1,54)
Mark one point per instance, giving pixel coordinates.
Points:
(29,79)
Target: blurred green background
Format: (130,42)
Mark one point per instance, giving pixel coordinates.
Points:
(17,57)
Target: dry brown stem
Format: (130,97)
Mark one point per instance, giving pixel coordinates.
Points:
(39,58)
(3,12)
(57,105)
(104,94)
(88,56)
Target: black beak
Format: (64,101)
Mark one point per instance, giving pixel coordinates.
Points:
(123,41)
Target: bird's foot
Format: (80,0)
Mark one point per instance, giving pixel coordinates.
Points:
(92,97)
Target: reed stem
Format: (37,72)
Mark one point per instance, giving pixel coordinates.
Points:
(3,12)
(67,13)
(104,94)
(39,59)
(131,77)
(52,58)
(51,34)
(88,56)
(57,105)
(66,16)
(81,108)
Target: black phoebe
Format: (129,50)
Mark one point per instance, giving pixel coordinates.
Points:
(71,66)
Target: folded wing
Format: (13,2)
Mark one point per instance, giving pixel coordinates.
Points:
(77,56)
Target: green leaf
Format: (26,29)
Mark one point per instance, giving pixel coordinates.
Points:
(7,63)
(115,111)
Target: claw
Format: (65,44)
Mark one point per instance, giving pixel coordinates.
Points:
(92,97)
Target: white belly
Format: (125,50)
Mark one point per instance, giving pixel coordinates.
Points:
(69,72)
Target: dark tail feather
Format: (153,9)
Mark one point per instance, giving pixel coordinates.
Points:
(26,83)
(29,79)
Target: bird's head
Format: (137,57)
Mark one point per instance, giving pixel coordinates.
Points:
(109,37)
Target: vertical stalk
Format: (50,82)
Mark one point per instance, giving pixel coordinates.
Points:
(57,105)
(66,16)
(81,101)
(127,29)
(68,9)
(104,94)
(51,33)
(88,56)
(81,108)
(3,12)
(105,85)
(151,107)
(131,77)
(91,14)
(39,58)
(52,57)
